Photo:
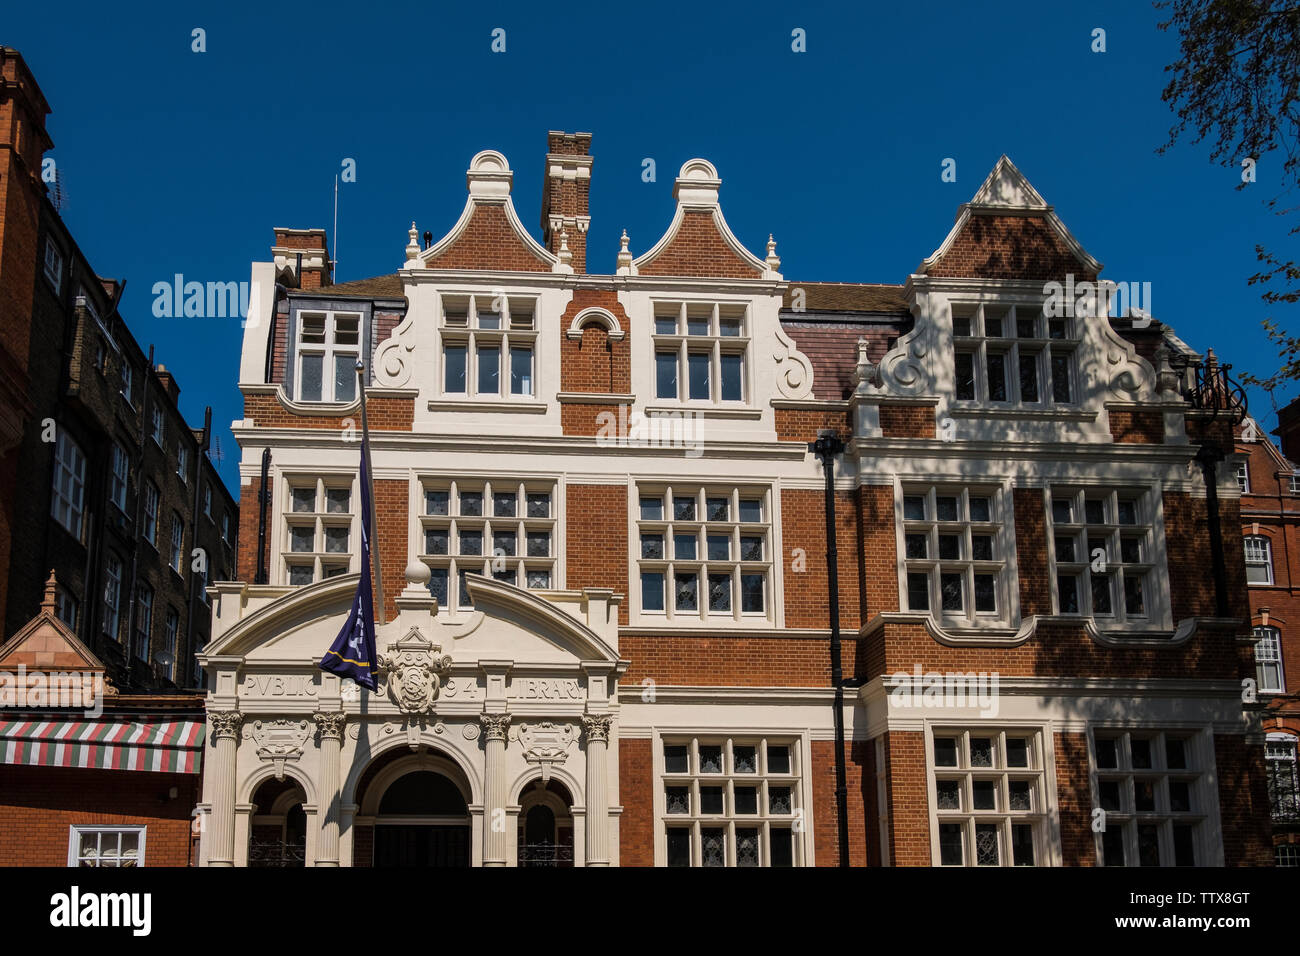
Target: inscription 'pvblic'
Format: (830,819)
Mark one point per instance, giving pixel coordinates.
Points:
(544,688)
(276,685)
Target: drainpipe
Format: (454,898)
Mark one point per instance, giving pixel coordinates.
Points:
(263,498)
(135,530)
(827,446)
(203,445)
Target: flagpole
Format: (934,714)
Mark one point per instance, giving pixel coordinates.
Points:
(370,475)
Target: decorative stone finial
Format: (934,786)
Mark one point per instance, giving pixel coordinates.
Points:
(773,260)
(412,246)
(866,372)
(49,604)
(417,573)
(566,256)
(624,257)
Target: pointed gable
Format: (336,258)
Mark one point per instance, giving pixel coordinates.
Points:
(45,643)
(1008,231)
(698,242)
(488,236)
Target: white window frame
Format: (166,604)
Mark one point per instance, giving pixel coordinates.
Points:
(328,350)
(1281,761)
(712,343)
(1039,774)
(159,425)
(68,497)
(177,543)
(76,831)
(182,462)
(207,500)
(119,477)
(1268,652)
(1043,346)
(1294,482)
(53,265)
(322,563)
(1000,526)
(1198,751)
(798,780)
(225,526)
(1262,558)
(128,380)
(171,632)
(1148,528)
(669,565)
(152,500)
(143,636)
(1242,474)
(487,524)
(67,607)
(489,320)
(113,594)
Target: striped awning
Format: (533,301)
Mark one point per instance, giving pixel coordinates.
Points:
(160,746)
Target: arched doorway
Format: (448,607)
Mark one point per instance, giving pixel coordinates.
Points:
(422,820)
(278,835)
(545,825)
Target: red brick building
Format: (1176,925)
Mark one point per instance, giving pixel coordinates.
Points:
(601,531)
(1270,529)
(89,776)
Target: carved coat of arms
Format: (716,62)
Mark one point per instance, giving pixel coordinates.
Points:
(413,671)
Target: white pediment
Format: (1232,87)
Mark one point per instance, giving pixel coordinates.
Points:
(1006,187)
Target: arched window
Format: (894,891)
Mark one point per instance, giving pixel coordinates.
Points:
(423,793)
(1259,560)
(1268,660)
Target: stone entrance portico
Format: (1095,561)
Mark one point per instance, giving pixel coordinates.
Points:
(514,694)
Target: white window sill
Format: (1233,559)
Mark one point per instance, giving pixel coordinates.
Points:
(479,405)
(706,410)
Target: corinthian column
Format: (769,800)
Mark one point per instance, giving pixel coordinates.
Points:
(597,728)
(331,742)
(495,727)
(225,738)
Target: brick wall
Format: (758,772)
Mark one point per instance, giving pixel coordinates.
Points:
(909,822)
(1136,427)
(1243,802)
(730,661)
(1009,247)
(803,424)
(384,412)
(246,558)
(392,508)
(698,249)
(489,242)
(825,818)
(907,421)
(803,531)
(38,805)
(581,418)
(596,546)
(1031,551)
(636,826)
(1074,800)
(595,363)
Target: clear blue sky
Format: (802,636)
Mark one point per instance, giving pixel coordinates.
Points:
(175,161)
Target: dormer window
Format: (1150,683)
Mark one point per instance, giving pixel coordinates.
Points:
(700,351)
(328,346)
(1013,355)
(489,346)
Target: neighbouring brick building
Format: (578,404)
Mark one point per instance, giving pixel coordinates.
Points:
(119,497)
(90,776)
(602,539)
(1270,530)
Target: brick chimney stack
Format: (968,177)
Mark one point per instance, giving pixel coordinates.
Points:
(565,194)
(313,246)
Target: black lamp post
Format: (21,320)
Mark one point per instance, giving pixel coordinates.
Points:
(826,447)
